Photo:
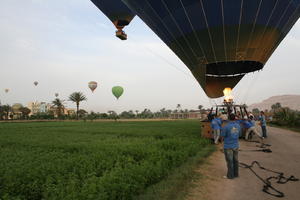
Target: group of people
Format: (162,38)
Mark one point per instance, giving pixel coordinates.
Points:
(248,123)
(231,133)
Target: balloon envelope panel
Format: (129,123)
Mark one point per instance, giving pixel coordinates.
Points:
(116,11)
(217,38)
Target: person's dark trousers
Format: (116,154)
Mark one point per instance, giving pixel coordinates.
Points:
(232,160)
(264,131)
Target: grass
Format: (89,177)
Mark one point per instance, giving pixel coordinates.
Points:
(98,160)
(295,129)
(179,182)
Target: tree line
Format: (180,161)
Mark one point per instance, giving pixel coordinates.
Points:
(282,116)
(58,111)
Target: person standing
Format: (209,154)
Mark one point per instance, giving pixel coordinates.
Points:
(263,124)
(216,127)
(231,133)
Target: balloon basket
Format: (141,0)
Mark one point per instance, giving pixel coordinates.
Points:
(121,34)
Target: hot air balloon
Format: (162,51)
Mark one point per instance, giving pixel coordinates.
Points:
(35,83)
(117,91)
(93,85)
(118,13)
(219,40)
(6,90)
(56,94)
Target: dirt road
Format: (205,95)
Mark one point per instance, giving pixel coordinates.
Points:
(284,158)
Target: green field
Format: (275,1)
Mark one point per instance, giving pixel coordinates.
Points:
(92,160)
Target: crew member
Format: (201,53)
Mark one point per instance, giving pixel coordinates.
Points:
(231,133)
(216,128)
(263,124)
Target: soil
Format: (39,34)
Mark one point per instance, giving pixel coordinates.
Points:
(284,158)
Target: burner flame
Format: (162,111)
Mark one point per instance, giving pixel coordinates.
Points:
(228,95)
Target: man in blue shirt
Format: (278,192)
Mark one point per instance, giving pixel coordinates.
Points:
(263,124)
(216,127)
(231,133)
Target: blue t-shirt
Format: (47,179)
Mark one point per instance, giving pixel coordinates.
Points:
(247,124)
(216,124)
(262,120)
(231,133)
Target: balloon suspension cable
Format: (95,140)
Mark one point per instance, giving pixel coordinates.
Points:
(163,59)
(250,87)
(159,56)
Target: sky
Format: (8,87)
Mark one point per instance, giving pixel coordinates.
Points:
(64,44)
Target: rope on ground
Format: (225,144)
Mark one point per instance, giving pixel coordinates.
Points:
(262,145)
(268,188)
(262,150)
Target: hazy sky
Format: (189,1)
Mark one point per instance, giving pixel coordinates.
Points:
(64,44)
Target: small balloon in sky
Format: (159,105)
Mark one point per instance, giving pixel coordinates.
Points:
(56,94)
(35,83)
(93,85)
(117,91)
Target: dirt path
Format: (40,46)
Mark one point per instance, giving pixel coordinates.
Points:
(285,158)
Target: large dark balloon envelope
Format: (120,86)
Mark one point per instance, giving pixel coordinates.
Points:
(219,40)
(118,13)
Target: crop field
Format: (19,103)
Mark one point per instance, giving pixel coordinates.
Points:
(92,160)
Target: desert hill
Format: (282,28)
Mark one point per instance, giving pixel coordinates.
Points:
(291,101)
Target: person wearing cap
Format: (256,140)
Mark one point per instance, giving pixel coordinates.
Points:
(231,133)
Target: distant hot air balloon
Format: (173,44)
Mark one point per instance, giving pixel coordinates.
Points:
(117,91)
(118,13)
(35,83)
(6,90)
(93,85)
(219,40)
(56,94)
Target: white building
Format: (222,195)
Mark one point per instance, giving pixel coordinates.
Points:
(38,107)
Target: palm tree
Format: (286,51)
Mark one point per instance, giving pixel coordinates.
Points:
(6,109)
(1,112)
(200,107)
(178,107)
(77,97)
(59,106)
(276,107)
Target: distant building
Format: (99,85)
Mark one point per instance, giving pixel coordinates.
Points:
(187,115)
(38,107)
(69,111)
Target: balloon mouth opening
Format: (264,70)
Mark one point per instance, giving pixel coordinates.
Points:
(233,68)
(122,22)
(214,85)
